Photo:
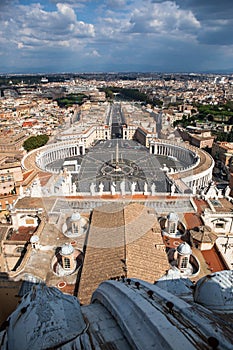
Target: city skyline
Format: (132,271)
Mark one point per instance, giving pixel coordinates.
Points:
(116,35)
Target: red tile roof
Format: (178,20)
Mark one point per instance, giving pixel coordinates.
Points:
(213,259)
(122,241)
(192,220)
(172,242)
(201,205)
(27,174)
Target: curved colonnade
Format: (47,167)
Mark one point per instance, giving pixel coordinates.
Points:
(194,176)
(61,150)
(173,150)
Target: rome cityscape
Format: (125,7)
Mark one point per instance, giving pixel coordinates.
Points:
(116,194)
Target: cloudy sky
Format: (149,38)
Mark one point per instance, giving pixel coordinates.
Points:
(116,35)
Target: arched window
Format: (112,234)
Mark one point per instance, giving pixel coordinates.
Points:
(75,227)
(184,262)
(172,227)
(66,263)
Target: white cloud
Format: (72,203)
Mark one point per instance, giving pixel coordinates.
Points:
(163,18)
(93,53)
(20,45)
(144,19)
(124,33)
(67,11)
(33,24)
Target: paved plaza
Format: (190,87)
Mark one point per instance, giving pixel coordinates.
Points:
(135,165)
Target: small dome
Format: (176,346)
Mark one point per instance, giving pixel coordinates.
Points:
(215,291)
(67,249)
(46,318)
(173,217)
(173,283)
(184,249)
(75,217)
(34,239)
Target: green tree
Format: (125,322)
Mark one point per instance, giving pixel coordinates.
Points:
(34,142)
(130,95)
(71,100)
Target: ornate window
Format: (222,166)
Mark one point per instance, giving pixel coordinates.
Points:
(184,262)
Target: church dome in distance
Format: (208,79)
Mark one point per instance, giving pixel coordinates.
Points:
(215,291)
(184,249)
(66,249)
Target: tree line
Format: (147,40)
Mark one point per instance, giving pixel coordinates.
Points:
(130,95)
(34,142)
(71,100)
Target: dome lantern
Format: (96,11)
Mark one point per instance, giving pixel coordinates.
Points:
(68,261)
(184,251)
(172,223)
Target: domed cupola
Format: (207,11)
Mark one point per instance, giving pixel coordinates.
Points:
(67,249)
(35,242)
(172,225)
(68,262)
(184,251)
(45,319)
(75,225)
(172,216)
(67,259)
(215,291)
(75,217)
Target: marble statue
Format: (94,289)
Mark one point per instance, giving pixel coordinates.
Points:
(145,188)
(133,186)
(113,188)
(227,191)
(122,187)
(101,188)
(153,188)
(219,191)
(173,189)
(64,187)
(211,191)
(92,188)
(194,189)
